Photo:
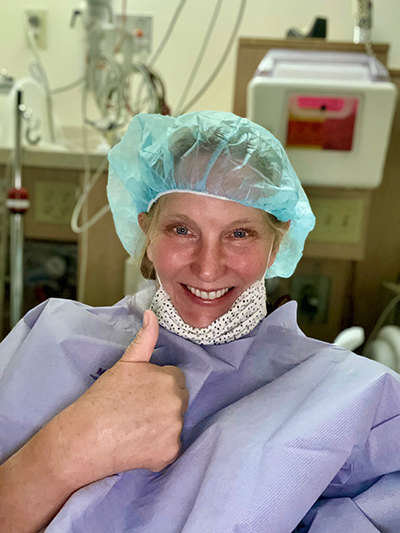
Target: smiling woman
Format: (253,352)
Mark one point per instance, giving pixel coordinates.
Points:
(215,417)
(210,233)
(207,252)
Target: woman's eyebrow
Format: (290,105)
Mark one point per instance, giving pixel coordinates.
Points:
(242,221)
(185,218)
(179,216)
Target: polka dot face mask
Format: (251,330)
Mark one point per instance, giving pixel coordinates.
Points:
(247,311)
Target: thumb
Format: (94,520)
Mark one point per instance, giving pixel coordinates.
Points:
(141,349)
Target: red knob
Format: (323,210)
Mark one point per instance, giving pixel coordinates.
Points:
(17,200)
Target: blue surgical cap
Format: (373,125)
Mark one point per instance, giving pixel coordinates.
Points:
(212,153)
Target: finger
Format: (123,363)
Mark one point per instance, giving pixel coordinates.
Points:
(178,375)
(185,402)
(141,349)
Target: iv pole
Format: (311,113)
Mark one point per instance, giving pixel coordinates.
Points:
(17,203)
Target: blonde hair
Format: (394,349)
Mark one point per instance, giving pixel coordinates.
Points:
(149,223)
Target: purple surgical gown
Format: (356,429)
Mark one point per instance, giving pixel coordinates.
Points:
(282,432)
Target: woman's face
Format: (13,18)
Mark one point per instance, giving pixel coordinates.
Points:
(206,252)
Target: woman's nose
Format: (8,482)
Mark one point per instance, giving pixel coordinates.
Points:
(209,262)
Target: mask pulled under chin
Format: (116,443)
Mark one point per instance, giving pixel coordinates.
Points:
(244,315)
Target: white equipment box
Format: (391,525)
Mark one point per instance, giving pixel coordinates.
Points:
(332,111)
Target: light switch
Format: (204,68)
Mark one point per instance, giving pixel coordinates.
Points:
(338,220)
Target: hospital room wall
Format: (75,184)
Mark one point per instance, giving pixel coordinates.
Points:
(64,56)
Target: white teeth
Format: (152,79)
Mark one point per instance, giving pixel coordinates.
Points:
(213,295)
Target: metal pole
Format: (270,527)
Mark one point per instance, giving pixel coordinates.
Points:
(16,267)
(18,149)
(17,203)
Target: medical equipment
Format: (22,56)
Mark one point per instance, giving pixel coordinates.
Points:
(245,163)
(383,344)
(116,72)
(36,127)
(350,338)
(6,83)
(123,84)
(17,203)
(332,111)
(386,347)
(41,124)
(50,271)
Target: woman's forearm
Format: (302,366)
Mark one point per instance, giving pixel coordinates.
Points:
(32,485)
(130,418)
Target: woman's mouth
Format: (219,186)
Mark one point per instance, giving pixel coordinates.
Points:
(212,295)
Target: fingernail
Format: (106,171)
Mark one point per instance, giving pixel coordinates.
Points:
(145,319)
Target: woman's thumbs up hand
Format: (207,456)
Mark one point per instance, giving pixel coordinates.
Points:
(131,417)
(142,347)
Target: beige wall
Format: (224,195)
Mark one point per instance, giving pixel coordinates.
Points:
(64,58)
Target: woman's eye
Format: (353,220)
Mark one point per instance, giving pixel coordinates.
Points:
(181,230)
(240,233)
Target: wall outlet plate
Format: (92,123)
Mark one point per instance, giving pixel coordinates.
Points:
(338,220)
(54,201)
(140,28)
(312,294)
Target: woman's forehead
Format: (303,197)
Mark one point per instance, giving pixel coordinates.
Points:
(205,206)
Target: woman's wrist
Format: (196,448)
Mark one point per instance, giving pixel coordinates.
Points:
(33,487)
(69,450)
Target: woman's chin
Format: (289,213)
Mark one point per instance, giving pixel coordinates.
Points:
(199,322)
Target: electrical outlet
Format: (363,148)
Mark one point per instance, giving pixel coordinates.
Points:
(140,27)
(312,296)
(338,220)
(54,201)
(37,20)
